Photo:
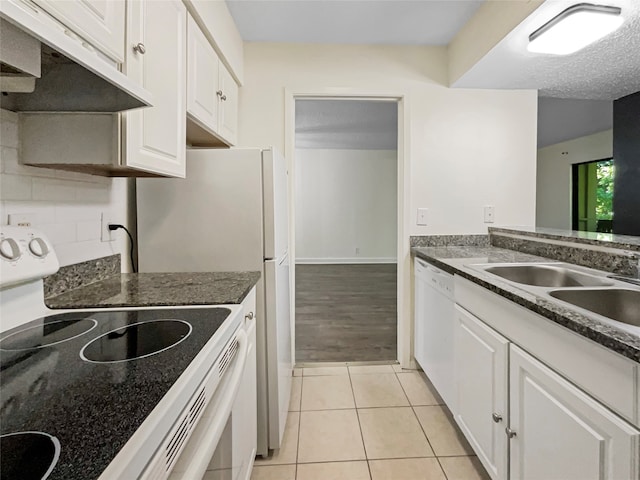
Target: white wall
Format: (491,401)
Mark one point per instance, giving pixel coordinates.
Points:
(554,175)
(463,148)
(67,205)
(346,204)
(467,148)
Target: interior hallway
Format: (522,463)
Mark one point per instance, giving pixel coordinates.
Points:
(346,313)
(368,423)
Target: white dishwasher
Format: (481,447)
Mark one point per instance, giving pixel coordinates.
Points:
(433,333)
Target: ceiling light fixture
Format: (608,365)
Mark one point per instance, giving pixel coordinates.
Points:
(575,28)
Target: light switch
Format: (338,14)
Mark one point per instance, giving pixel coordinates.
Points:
(489,213)
(422,216)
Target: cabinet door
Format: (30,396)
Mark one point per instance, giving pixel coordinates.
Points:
(481,372)
(155,137)
(202,78)
(228,119)
(561,433)
(99,22)
(245,409)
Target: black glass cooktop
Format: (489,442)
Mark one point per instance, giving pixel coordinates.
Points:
(28,455)
(91,408)
(48,333)
(136,341)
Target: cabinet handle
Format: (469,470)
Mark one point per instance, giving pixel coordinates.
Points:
(249,316)
(140,48)
(219,93)
(496,418)
(222,96)
(510,433)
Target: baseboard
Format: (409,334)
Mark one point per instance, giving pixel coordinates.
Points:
(317,261)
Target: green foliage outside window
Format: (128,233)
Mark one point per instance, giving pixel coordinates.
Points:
(604,190)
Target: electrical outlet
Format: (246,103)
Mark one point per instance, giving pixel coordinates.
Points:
(489,214)
(422,216)
(106,234)
(22,219)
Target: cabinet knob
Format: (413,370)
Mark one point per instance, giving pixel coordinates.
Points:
(510,433)
(222,96)
(219,93)
(496,417)
(140,48)
(249,316)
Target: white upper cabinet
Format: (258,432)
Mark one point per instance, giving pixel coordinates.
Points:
(228,119)
(212,94)
(101,23)
(202,62)
(154,138)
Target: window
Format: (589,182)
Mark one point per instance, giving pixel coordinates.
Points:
(593,196)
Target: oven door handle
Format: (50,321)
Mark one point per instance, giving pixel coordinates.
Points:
(202,456)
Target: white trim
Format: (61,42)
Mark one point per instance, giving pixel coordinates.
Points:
(313,261)
(404,292)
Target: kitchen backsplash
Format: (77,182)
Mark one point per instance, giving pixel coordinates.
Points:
(66,206)
(449,240)
(80,274)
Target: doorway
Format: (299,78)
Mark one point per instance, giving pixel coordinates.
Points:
(346,230)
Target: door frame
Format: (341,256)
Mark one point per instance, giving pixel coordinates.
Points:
(403,258)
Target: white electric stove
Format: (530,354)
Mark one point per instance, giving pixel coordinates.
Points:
(108,393)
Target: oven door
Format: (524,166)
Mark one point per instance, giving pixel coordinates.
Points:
(202,439)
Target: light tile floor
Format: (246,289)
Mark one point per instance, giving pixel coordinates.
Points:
(368,423)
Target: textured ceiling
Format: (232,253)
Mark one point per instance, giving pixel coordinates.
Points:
(606,70)
(347,124)
(395,22)
(561,119)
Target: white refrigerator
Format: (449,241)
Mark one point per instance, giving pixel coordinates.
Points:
(230,213)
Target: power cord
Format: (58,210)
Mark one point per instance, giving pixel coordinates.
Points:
(116,226)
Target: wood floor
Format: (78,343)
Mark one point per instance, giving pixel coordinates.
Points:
(346,313)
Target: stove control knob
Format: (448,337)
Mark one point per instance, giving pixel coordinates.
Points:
(9,249)
(38,247)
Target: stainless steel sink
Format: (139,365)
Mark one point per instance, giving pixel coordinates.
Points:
(615,303)
(547,276)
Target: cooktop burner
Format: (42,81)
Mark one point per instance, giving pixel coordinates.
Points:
(28,455)
(53,330)
(136,340)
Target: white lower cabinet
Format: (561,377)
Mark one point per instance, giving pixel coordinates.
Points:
(559,432)
(526,422)
(245,409)
(482,374)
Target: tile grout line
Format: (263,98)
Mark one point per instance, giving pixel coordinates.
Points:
(423,430)
(299,425)
(364,447)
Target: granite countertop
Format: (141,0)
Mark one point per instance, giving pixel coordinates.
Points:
(159,289)
(454,259)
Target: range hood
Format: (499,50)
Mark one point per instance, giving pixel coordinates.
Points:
(44,69)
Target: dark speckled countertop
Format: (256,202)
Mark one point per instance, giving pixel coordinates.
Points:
(455,260)
(159,289)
